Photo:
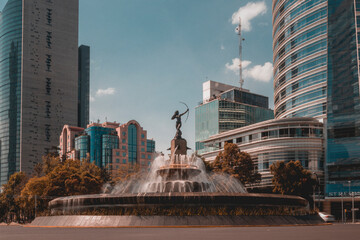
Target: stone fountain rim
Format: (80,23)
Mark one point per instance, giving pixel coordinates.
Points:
(178,196)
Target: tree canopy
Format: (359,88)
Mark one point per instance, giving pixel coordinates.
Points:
(52,178)
(236,163)
(292,179)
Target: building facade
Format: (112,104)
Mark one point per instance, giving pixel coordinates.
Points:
(38,79)
(300,58)
(112,146)
(276,140)
(316,74)
(225,107)
(84,86)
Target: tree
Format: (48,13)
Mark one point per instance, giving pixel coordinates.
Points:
(292,179)
(10,198)
(236,163)
(73,177)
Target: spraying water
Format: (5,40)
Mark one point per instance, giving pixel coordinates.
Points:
(180,173)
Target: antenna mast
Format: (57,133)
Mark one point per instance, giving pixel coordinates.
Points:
(240,53)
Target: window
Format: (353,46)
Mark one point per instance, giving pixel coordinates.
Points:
(124,161)
(142,143)
(132,143)
(142,135)
(124,133)
(117,160)
(142,155)
(117,153)
(123,147)
(143,149)
(124,141)
(124,154)
(149,156)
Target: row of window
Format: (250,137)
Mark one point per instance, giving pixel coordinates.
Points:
(277,133)
(302,23)
(302,53)
(301,84)
(314,111)
(301,69)
(304,98)
(302,38)
(306,5)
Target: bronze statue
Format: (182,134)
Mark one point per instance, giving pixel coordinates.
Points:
(178,121)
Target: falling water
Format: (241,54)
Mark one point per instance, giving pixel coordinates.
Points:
(180,173)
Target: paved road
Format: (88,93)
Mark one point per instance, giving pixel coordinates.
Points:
(337,231)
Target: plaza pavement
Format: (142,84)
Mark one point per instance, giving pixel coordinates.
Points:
(335,231)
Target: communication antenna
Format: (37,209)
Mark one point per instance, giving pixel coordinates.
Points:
(241,39)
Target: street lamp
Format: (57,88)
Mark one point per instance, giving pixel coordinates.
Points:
(314,188)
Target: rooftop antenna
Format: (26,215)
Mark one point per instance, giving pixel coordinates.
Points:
(241,39)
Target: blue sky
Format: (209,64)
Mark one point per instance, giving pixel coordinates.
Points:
(148,55)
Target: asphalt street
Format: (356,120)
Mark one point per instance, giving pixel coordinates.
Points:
(336,231)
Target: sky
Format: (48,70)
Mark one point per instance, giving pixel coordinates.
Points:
(147,56)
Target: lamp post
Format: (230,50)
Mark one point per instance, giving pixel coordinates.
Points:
(314,188)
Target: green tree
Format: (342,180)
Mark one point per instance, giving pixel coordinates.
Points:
(237,164)
(292,179)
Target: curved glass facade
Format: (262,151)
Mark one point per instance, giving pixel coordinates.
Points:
(300,58)
(82,144)
(109,142)
(132,142)
(277,140)
(10,87)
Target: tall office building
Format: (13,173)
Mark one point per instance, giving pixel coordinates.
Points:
(300,58)
(316,73)
(38,79)
(84,86)
(225,107)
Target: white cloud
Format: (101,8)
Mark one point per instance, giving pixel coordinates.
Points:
(247,13)
(234,66)
(222,47)
(104,92)
(262,73)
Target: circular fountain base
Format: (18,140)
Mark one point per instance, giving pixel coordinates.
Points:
(177,209)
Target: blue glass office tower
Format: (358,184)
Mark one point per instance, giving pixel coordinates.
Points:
(101,142)
(343,115)
(316,74)
(300,58)
(10,88)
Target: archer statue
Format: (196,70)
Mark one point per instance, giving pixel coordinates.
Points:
(178,121)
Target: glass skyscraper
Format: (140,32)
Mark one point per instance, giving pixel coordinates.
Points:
(10,87)
(224,108)
(84,86)
(38,79)
(300,58)
(316,74)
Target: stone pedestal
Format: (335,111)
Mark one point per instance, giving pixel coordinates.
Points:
(181,145)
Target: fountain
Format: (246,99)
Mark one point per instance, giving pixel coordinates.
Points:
(177,191)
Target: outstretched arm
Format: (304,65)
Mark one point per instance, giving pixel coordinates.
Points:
(184,112)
